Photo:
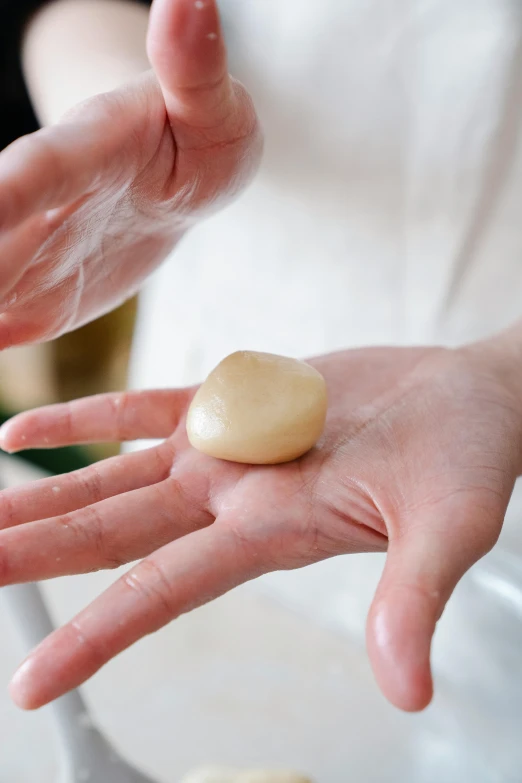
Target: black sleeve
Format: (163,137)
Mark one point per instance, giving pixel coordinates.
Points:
(16,113)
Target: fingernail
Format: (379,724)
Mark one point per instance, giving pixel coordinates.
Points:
(4,434)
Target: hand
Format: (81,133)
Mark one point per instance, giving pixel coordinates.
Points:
(90,206)
(419,457)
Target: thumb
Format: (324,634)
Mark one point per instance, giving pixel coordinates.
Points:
(187,51)
(423,566)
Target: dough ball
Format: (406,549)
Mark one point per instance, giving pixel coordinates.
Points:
(258,408)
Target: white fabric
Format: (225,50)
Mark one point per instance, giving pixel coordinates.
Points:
(389,202)
(387,210)
(388,205)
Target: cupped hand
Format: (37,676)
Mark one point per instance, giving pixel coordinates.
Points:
(419,457)
(90,206)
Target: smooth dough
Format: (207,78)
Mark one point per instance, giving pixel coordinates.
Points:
(258,408)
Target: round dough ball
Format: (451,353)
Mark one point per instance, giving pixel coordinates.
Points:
(259,409)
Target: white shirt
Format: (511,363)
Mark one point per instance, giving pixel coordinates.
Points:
(388,209)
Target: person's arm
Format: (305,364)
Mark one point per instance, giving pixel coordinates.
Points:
(68,50)
(74,49)
(91,204)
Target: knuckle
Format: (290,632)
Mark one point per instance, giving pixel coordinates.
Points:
(121,411)
(200,88)
(170,506)
(113,561)
(247,109)
(153,588)
(95,655)
(93,530)
(231,120)
(423,591)
(164,455)
(91,484)
(88,531)
(68,421)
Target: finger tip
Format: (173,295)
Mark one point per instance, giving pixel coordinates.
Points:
(414,698)
(408,690)
(8,448)
(196,25)
(400,656)
(20,688)
(6,443)
(11,439)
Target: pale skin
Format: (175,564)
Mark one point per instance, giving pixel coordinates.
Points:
(92,204)
(420,453)
(419,457)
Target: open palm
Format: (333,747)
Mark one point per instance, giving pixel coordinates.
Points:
(90,206)
(419,456)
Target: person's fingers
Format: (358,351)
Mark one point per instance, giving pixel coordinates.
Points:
(176,579)
(105,535)
(208,110)
(106,417)
(57,495)
(423,566)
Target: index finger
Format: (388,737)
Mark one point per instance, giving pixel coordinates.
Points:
(121,416)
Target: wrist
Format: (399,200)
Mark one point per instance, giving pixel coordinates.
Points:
(74,49)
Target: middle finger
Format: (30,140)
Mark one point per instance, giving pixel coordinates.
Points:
(58,495)
(105,535)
